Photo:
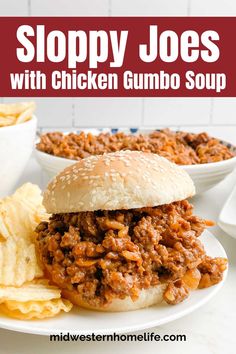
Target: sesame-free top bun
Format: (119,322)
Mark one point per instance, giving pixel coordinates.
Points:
(147,297)
(120,180)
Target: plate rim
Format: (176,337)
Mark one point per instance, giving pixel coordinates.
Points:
(25,328)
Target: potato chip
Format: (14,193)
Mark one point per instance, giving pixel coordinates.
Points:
(26,115)
(16,219)
(19,216)
(16,113)
(38,290)
(35,309)
(18,262)
(15,109)
(8,120)
(21,213)
(30,193)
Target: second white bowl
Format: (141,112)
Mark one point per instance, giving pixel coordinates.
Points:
(204,176)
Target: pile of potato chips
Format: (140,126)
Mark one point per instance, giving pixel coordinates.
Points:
(24,294)
(16,113)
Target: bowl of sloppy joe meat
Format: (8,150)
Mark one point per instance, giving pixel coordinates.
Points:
(207,160)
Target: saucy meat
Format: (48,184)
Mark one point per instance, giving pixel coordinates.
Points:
(113,254)
(179,147)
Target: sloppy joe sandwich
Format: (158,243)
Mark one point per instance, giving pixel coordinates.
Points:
(122,235)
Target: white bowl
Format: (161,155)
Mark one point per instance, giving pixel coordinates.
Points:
(16,146)
(205,176)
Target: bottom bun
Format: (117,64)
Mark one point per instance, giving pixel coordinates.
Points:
(147,297)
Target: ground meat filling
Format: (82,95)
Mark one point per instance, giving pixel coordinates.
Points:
(114,254)
(179,147)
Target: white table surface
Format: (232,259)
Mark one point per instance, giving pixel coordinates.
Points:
(209,330)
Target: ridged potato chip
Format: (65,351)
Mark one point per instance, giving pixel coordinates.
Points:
(37,290)
(30,193)
(35,309)
(21,213)
(18,262)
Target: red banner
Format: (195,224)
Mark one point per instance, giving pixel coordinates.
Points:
(114,56)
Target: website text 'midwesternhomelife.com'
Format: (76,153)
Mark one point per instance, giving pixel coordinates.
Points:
(115,337)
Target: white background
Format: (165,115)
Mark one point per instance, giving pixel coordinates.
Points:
(215,115)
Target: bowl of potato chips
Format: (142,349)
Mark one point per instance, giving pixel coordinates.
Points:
(17,134)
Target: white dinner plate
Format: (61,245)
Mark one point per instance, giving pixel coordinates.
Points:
(80,321)
(227,215)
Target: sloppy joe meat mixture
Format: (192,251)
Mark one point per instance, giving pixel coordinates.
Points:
(179,147)
(114,254)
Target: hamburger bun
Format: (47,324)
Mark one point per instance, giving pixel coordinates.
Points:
(147,297)
(120,180)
